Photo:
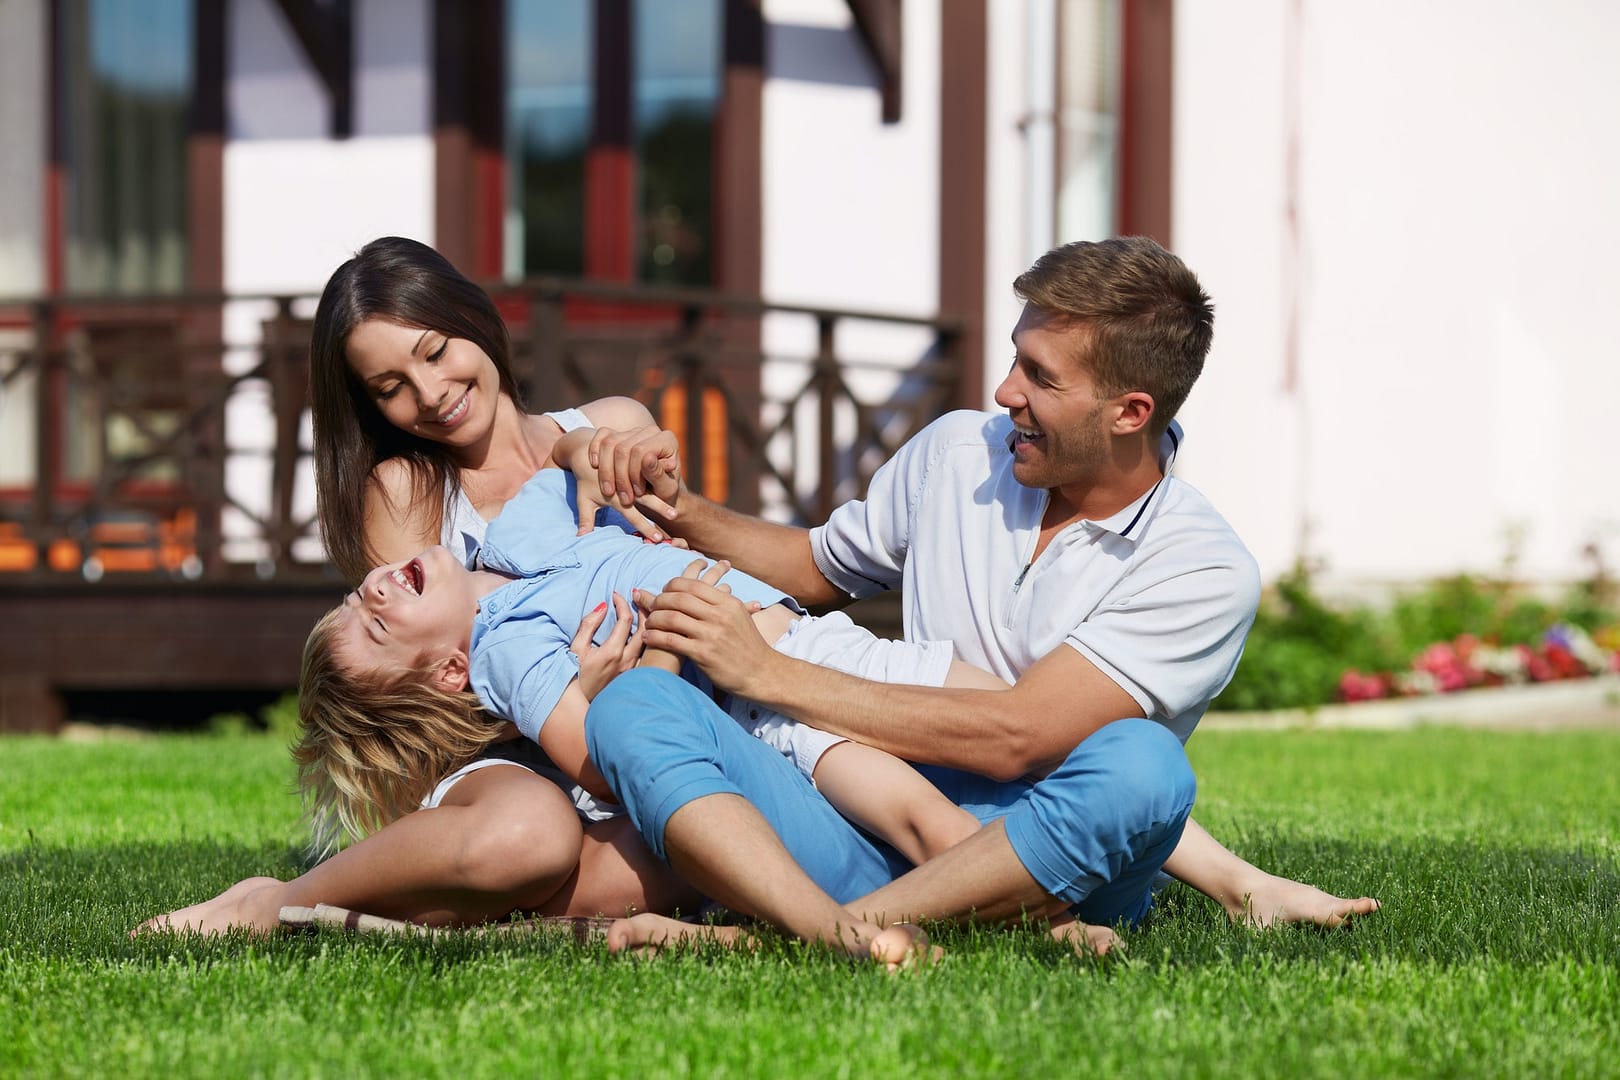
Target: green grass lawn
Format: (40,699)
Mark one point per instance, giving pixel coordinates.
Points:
(1497,857)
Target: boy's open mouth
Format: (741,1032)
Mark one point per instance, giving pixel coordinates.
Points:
(410,576)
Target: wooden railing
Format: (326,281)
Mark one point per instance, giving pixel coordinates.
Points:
(167,438)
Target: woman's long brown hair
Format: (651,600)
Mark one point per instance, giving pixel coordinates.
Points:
(405,282)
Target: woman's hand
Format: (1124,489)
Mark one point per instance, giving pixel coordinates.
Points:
(600,664)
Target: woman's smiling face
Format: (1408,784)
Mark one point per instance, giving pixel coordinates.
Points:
(422,381)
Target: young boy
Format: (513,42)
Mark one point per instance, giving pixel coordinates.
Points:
(416,637)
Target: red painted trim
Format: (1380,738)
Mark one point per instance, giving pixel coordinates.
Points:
(489,180)
(609,220)
(55,229)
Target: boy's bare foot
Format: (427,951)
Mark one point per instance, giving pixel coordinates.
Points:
(248,903)
(1273,900)
(903,945)
(1086,939)
(647,934)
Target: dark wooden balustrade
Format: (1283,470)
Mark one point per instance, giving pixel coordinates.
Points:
(156,499)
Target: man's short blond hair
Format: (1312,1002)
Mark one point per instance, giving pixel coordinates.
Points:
(1148,323)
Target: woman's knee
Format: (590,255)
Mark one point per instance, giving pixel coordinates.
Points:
(522,837)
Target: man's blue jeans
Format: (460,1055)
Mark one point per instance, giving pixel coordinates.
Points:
(1094,832)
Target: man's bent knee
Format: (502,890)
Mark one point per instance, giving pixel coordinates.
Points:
(1144,758)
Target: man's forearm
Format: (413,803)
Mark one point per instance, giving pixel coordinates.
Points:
(777,554)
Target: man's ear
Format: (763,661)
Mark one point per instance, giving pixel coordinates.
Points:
(450,674)
(1135,413)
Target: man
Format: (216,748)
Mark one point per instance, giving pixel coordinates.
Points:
(1052,546)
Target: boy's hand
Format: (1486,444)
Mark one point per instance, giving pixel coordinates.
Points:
(698,618)
(650,657)
(600,664)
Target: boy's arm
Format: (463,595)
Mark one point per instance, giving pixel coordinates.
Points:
(562,737)
(890,799)
(572,452)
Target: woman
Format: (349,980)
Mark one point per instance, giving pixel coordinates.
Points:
(420,437)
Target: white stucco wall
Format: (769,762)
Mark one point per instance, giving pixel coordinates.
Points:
(851,204)
(1454,278)
(298,203)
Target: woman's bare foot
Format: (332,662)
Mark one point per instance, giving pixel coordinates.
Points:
(1086,939)
(647,934)
(251,903)
(1272,900)
(903,945)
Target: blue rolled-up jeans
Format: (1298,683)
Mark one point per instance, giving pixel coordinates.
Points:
(1093,833)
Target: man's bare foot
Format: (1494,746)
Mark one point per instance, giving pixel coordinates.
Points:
(1086,939)
(903,945)
(647,934)
(248,903)
(1274,900)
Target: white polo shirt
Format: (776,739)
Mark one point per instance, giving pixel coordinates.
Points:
(1159,596)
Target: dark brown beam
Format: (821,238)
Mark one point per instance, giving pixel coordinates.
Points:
(963,145)
(1147,110)
(611,206)
(325,33)
(738,216)
(469,117)
(879,22)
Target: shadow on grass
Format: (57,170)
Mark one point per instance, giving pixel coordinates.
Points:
(1443,903)
(80,904)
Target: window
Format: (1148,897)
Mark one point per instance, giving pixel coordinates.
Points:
(611,108)
(1088,120)
(125,82)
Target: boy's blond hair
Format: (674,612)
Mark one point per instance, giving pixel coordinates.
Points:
(371,745)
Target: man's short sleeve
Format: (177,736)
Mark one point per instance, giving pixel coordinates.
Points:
(1173,643)
(862,547)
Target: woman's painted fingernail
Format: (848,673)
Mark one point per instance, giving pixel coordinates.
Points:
(599,607)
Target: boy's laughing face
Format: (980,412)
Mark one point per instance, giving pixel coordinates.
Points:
(408,616)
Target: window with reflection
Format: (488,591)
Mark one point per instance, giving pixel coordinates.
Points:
(661,72)
(125,84)
(676,94)
(548,127)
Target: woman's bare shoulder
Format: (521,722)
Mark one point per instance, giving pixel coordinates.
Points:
(617,412)
(398,522)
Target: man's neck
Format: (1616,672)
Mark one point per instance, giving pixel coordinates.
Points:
(1130,473)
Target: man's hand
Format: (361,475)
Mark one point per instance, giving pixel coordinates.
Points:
(576,452)
(642,465)
(698,618)
(600,664)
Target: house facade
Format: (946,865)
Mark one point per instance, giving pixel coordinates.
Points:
(791,227)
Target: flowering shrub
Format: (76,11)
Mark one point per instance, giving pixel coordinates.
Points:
(1451,635)
(1564,652)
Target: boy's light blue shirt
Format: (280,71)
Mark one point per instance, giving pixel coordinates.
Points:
(521,661)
